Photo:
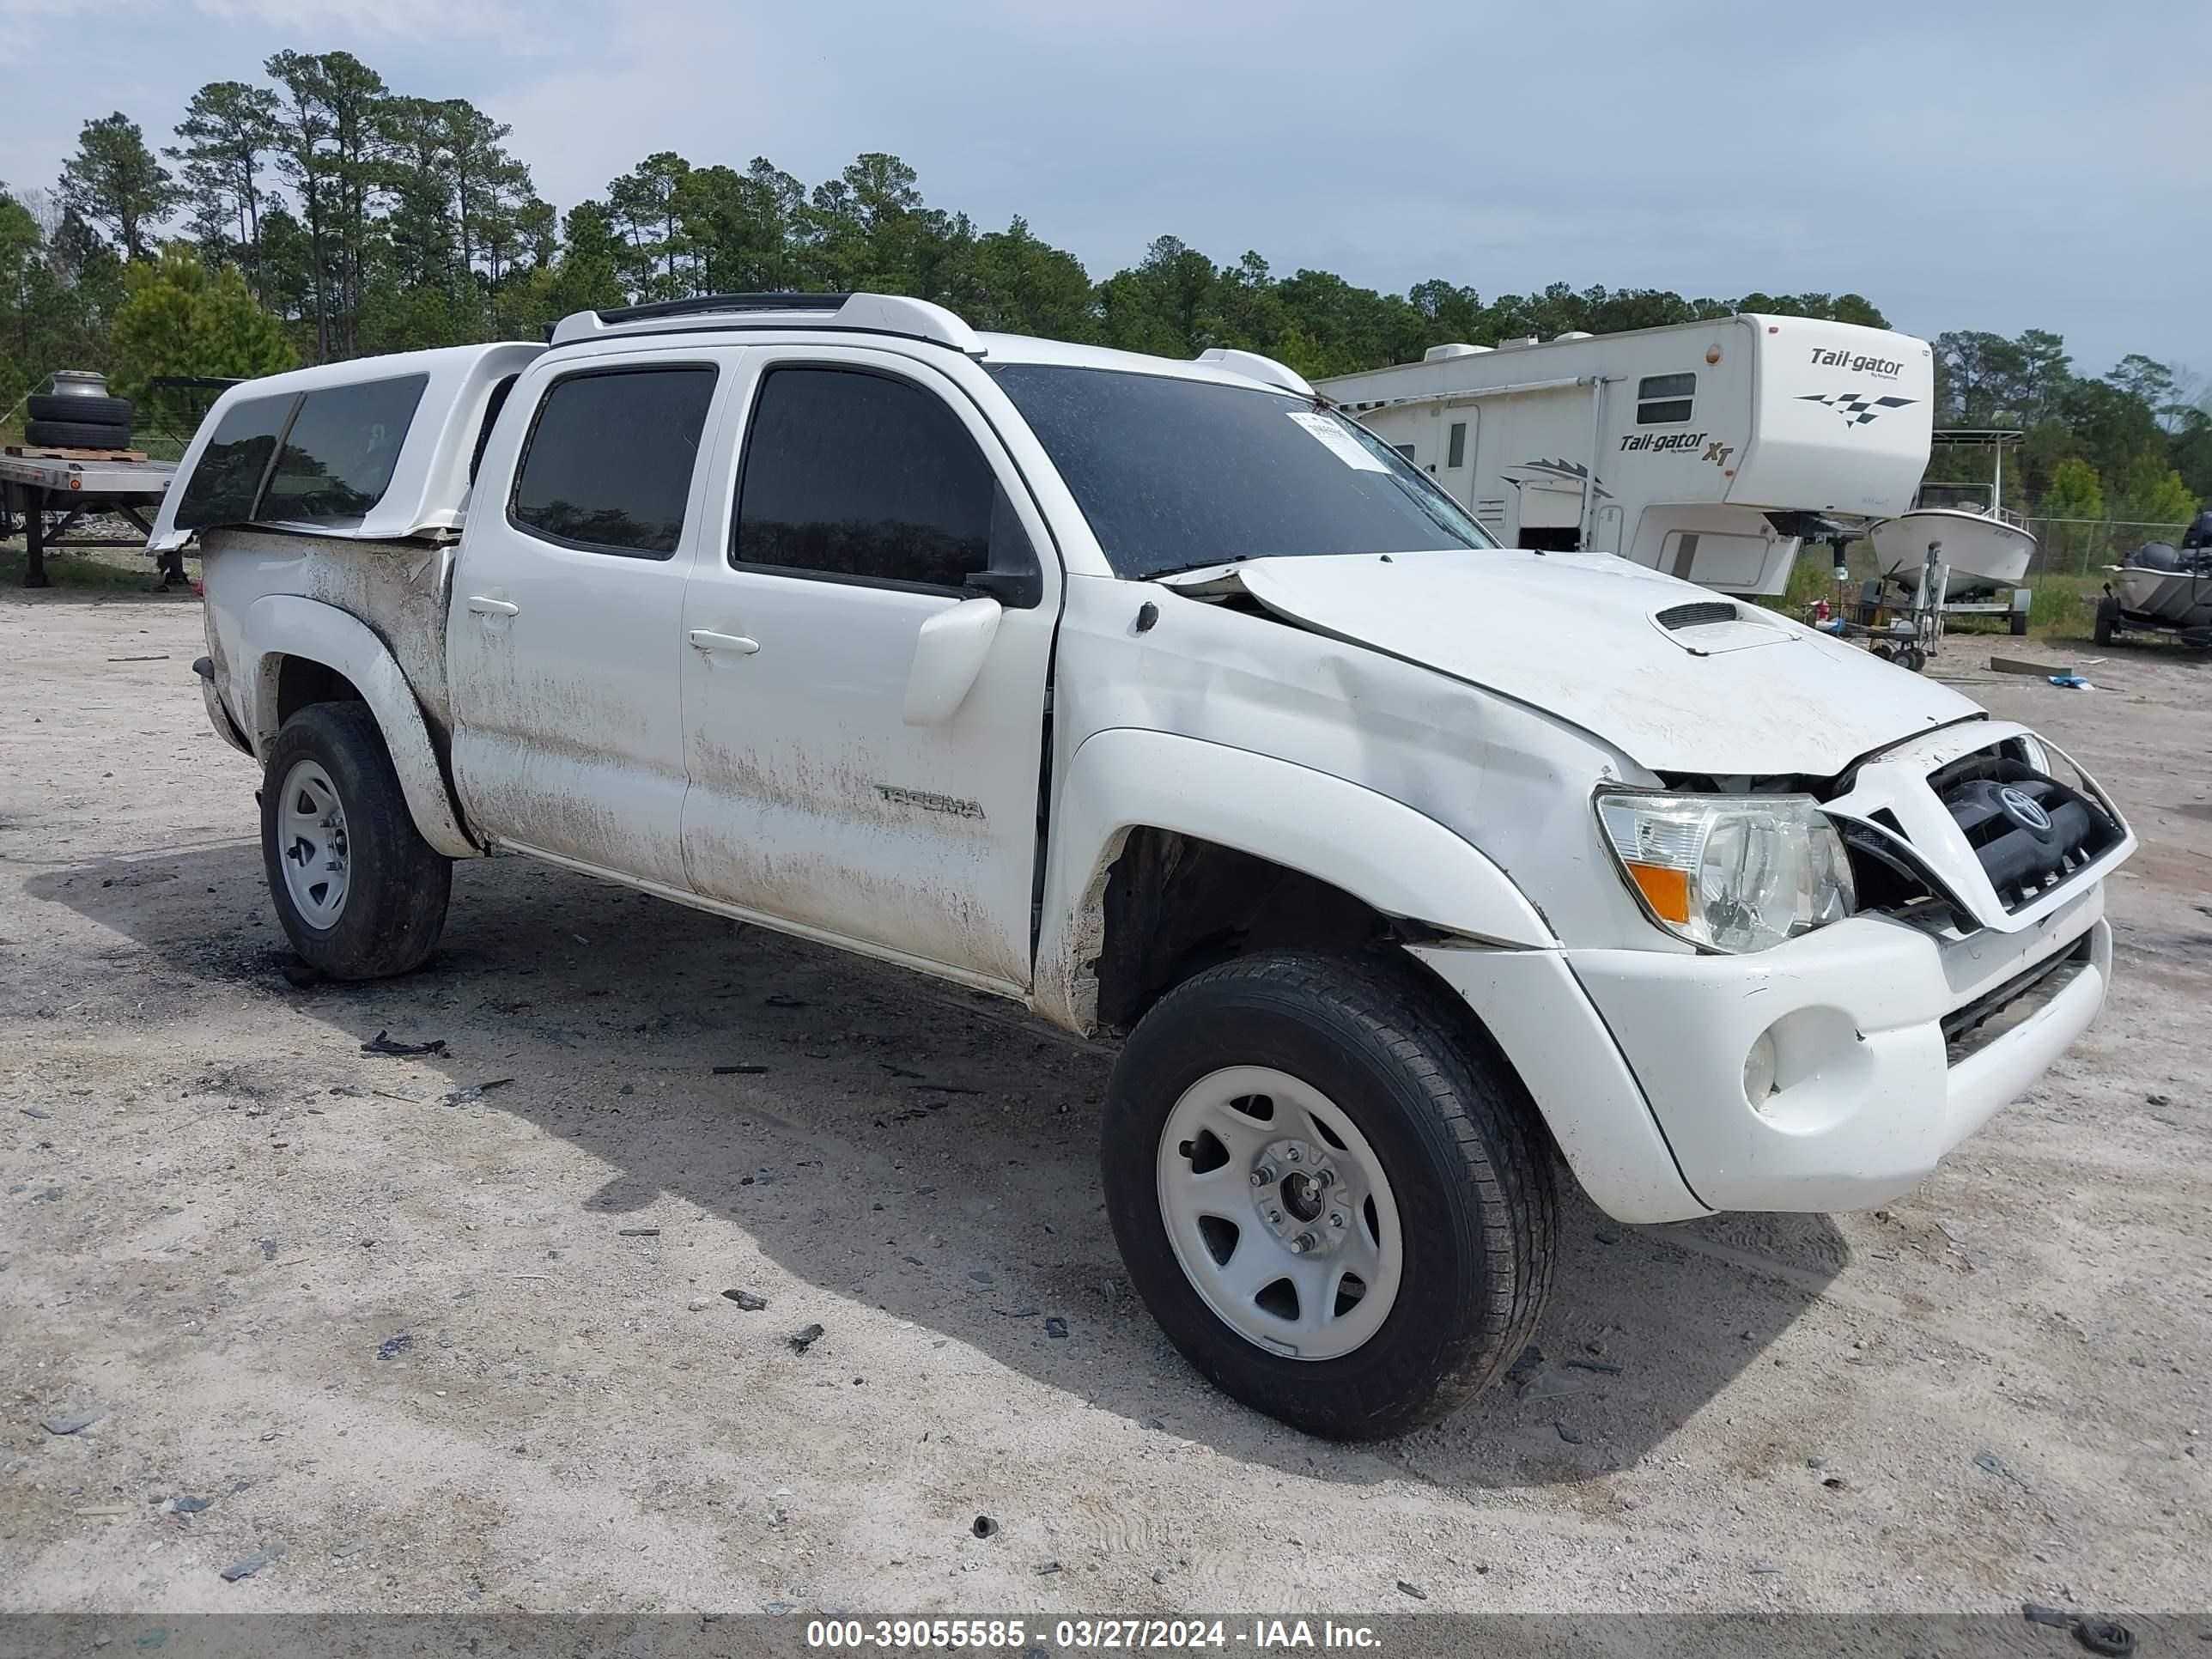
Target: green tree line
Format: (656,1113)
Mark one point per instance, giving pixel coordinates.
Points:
(316,213)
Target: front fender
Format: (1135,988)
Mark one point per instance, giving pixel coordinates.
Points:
(280,625)
(1378,849)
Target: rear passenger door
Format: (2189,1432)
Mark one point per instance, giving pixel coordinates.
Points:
(563,635)
(863,729)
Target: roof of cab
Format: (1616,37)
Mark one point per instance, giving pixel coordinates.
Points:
(899,316)
(429,484)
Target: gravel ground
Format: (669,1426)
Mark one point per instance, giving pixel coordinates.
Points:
(449,1331)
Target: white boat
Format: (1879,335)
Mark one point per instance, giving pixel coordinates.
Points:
(1982,548)
(1983,543)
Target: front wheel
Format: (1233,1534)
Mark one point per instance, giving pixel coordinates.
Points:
(359,892)
(1337,1208)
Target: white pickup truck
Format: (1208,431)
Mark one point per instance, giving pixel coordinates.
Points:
(1163,699)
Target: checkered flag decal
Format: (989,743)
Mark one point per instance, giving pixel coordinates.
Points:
(1856,409)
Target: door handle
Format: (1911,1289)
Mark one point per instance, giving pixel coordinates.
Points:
(484,607)
(705,640)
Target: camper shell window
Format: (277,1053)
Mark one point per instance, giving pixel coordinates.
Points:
(1664,400)
(336,461)
(323,457)
(227,483)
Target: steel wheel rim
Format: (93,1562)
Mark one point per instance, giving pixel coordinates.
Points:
(311,845)
(1241,1192)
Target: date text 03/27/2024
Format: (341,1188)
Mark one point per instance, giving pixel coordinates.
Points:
(1088,1635)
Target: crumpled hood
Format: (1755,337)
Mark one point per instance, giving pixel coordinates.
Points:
(1676,677)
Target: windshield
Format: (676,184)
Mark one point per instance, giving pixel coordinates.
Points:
(1175,474)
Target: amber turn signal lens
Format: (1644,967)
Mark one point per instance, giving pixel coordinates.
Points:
(1666,892)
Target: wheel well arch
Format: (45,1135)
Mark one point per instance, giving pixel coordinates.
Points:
(1176,904)
(302,680)
(298,652)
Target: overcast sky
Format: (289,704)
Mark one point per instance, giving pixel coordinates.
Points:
(2038,163)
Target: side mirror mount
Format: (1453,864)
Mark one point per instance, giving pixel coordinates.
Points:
(948,654)
(1016,590)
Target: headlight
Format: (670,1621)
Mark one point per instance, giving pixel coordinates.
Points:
(1730,872)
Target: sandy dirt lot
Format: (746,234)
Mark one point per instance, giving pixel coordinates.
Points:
(448,1330)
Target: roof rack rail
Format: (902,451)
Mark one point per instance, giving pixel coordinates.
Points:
(1253,367)
(865,313)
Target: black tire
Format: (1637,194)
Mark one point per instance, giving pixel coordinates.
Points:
(398,884)
(76,434)
(100,411)
(1457,1138)
(2108,620)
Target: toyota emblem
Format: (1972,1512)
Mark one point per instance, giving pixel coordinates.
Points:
(2024,809)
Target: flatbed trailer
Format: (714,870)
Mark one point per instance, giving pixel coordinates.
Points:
(37,484)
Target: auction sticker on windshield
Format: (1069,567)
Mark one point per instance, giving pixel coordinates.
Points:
(1345,447)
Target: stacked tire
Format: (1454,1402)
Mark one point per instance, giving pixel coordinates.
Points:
(77,421)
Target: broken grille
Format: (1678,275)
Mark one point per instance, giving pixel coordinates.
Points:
(2031,833)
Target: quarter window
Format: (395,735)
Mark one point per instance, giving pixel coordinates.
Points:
(1664,400)
(863,476)
(607,466)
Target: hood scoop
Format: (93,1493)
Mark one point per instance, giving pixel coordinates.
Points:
(1705,628)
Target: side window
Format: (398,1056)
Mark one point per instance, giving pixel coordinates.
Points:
(607,465)
(226,480)
(338,458)
(864,476)
(1406,450)
(1456,445)
(1664,400)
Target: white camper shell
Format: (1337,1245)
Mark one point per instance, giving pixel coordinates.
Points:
(378,450)
(1707,450)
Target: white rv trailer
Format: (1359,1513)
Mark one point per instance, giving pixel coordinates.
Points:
(1706,450)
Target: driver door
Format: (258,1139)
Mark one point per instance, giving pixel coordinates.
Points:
(864,727)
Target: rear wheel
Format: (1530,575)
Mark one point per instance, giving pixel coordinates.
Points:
(359,892)
(1335,1207)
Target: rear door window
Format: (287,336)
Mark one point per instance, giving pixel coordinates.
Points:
(227,477)
(865,477)
(338,458)
(607,465)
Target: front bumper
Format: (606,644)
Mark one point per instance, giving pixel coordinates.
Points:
(1871,1089)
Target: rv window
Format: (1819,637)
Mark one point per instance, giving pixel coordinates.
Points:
(863,476)
(607,465)
(1406,450)
(1664,400)
(338,458)
(228,477)
(1455,454)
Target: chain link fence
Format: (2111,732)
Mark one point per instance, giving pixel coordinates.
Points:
(2079,547)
